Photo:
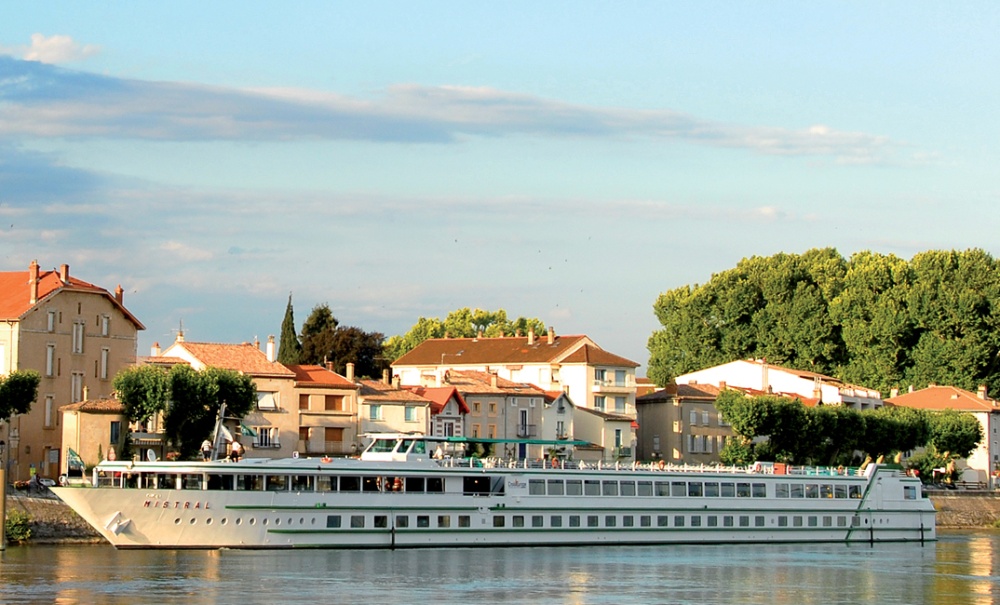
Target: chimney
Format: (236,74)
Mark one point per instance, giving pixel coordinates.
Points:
(722,385)
(64,273)
(893,392)
(270,348)
(531,336)
(256,342)
(120,295)
(385,376)
(33,281)
(493,380)
(981,393)
(479,334)
(911,388)
(395,381)
(350,371)
(86,393)
(552,335)
(154,351)
(328,364)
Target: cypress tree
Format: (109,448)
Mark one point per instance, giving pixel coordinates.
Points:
(289,348)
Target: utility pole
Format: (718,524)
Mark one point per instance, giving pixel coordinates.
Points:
(3,497)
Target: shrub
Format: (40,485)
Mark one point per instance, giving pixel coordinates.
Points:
(18,526)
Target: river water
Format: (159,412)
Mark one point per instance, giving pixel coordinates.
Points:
(961,567)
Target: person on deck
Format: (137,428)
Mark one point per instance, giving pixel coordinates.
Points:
(206,450)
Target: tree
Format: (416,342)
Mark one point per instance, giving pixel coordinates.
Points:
(325,340)
(318,333)
(289,348)
(956,432)
(18,390)
(461,323)
(144,391)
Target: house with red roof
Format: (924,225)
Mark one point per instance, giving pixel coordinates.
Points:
(387,407)
(90,430)
(327,410)
(574,364)
(77,335)
(448,410)
(681,425)
(984,463)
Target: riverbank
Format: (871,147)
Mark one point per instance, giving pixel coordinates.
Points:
(54,522)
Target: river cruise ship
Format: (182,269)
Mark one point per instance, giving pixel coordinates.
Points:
(405,491)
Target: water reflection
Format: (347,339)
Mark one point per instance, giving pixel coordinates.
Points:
(960,568)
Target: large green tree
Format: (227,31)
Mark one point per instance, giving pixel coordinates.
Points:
(461,323)
(325,340)
(875,320)
(18,390)
(289,347)
(143,390)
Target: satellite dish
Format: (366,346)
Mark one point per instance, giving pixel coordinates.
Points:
(151,455)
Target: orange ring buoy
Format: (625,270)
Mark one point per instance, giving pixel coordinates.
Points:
(327,459)
(662,464)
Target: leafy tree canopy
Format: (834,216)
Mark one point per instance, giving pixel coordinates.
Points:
(461,323)
(289,347)
(325,340)
(18,390)
(875,320)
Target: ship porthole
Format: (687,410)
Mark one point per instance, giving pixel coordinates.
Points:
(192,521)
(224,521)
(253,521)
(208,521)
(177,521)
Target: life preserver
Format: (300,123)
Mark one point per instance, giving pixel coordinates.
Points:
(662,464)
(327,459)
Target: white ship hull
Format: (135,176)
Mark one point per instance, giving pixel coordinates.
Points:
(488,506)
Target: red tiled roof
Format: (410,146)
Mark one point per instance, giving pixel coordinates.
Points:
(244,358)
(945,397)
(596,356)
(440,396)
(318,376)
(376,390)
(489,351)
(15,293)
(476,382)
(95,406)
(606,415)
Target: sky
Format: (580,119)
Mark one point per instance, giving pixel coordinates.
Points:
(567,161)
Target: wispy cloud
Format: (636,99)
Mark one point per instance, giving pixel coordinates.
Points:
(45,101)
(52,49)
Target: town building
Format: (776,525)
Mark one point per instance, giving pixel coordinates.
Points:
(386,407)
(328,410)
(77,336)
(681,425)
(90,429)
(984,463)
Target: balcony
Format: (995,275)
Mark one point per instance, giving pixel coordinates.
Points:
(525,431)
(622,452)
(610,385)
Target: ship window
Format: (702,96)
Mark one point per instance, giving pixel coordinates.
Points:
(662,488)
(423,521)
(277,483)
(812,490)
(555,521)
(627,488)
(327,484)
(727,521)
(464,521)
(782,521)
(435,485)
(854,491)
(797,490)
(381,521)
(711,489)
(478,485)
(302,483)
(333,521)
(250,482)
(517,521)
(855,521)
(370,484)
(536,487)
(556,487)
(645,521)
(402,521)
(350,484)
(909,492)
(679,521)
(220,482)
(713,521)
(678,488)
(628,521)
(444,520)
(414,484)
(827,521)
(728,490)
(760,490)
(610,521)
(609,488)
(574,487)
(841,521)
(744,520)
(574,520)
(812,521)
(695,521)
(826,491)
(537,521)
(781,490)
(499,521)
(593,521)
(645,488)
(695,489)
(662,521)
(357,521)
(797,521)
(840,491)
(591,487)
(192,481)
(758,521)
(742,490)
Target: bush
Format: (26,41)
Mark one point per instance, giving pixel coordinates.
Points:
(18,526)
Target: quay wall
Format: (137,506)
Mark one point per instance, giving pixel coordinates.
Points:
(54,522)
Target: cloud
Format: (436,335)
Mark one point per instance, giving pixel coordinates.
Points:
(45,101)
(53,49)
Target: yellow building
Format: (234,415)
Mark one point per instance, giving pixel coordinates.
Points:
(91,429)
(77,336)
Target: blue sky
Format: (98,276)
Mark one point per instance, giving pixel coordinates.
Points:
(562,160)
